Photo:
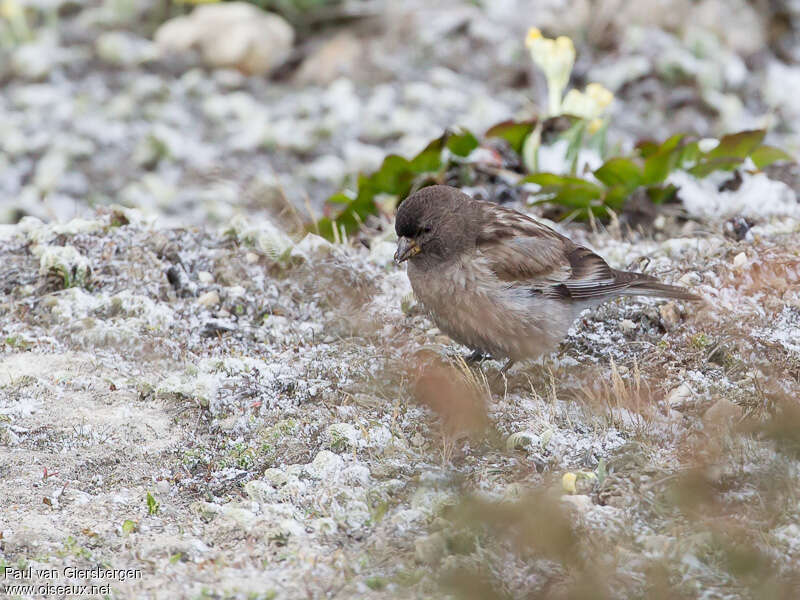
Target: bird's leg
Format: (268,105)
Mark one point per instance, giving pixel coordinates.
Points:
(507,366)
(501,374)
(476,357)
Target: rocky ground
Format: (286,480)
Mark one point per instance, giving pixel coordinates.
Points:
(187,390)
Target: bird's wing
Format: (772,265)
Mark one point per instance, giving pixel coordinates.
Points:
(521,251)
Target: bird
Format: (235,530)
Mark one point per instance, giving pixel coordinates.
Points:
(499,282)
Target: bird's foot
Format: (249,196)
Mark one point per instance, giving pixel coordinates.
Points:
(476,357)
(499,378)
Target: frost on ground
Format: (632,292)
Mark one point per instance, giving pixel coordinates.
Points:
(245,414)
(303,431)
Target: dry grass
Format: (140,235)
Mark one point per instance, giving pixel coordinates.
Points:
(457,394)
(628,403)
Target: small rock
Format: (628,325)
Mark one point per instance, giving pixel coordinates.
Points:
(430,549)
(124,49)
(740,260)
(230,35)
(680,395)
(627,326)
(205,277)
(337,57)
(209,299)
(669,315)
(324,465)
(34,61)
(722,414)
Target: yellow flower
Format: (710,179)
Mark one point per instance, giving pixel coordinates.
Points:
(595,125)
(9,9)
(599,94)
(568,482)
(589,104)
(555,58)
(533,35)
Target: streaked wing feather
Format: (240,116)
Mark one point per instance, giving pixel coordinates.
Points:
(592,277)
(520,250)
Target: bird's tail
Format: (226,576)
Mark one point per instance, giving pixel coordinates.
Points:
(644,285)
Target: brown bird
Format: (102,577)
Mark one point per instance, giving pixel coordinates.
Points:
(499,282)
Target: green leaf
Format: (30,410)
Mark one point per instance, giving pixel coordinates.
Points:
(376,583)
(570,192)
(128,526)
(660,160)
(553,179)
(764,156)
(325,228)
(430,159)
(152,504)
(514,132)
(394,175)
(574,136)
(601,472)
(658,166)
(706,167)
(671,143)
(647,148)
(738,145)
(689,155)
(619,171)
(461,144)
(661,193)
(352,216)
(616,196)
(339,198)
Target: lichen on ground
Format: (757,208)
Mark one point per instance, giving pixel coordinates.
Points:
(240,411)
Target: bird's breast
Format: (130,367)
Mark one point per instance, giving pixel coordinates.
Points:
(474,308)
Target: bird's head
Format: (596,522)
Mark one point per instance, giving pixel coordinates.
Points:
(436,223)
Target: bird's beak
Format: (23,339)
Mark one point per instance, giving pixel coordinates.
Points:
(406,248)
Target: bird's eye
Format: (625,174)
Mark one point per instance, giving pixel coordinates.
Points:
(425,229)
